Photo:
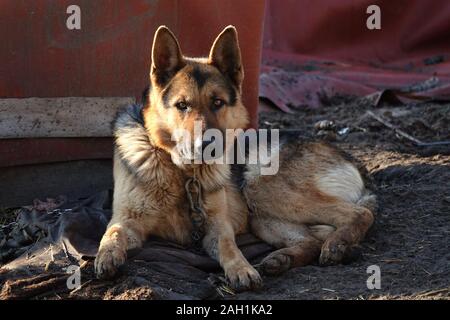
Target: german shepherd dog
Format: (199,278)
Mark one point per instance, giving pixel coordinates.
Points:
(316,207)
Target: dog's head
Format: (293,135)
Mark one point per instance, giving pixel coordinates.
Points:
(192,95)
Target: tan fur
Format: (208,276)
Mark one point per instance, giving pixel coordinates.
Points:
(313,206)
(322,192)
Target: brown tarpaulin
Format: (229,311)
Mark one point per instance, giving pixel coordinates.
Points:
(317,50)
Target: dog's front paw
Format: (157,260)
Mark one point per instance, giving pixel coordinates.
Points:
(109,259)
(242,276)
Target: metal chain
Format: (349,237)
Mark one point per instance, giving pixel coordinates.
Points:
(197,213)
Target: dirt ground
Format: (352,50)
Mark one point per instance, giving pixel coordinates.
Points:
(410,238)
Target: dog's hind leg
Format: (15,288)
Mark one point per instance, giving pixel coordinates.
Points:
(347,205)
(298,245)
(352,222)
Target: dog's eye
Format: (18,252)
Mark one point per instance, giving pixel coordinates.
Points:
(182,106)
(218,103)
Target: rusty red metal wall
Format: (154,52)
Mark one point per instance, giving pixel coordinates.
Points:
(336,29)
(110,55)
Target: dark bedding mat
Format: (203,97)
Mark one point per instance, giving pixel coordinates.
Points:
(50,236)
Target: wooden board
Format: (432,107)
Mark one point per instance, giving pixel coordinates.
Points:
(59,117)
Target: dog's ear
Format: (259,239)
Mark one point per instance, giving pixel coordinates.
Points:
(166,57)
(225,55)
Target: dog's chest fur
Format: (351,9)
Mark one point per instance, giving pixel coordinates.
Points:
(150,188)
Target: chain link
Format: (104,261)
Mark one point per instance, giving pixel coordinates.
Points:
(197,213)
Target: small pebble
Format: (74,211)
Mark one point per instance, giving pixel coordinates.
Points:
(324,125)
